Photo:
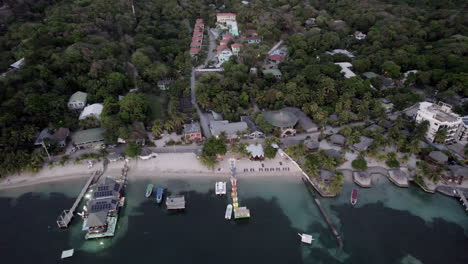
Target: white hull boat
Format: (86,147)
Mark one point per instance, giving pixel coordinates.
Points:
(228,213)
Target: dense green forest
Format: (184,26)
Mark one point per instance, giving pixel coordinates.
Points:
(101,47)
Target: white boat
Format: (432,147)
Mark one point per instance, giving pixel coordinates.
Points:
(220,188)
(305,238)
(228,213)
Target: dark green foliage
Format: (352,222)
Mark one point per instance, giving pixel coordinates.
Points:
(132,149)
(270,152)
(214,146)
(359,164)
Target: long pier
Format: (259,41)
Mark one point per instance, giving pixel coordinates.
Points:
(65,218)
(462,199)
(324,213)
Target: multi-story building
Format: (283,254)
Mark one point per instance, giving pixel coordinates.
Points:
(463,131)
(224,17)
(439,116)
(197,37)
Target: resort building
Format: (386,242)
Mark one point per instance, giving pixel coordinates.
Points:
(88,138)
(275,58)
(338,140)
(312,145)
(254,131)
(282,120)
(93,110)
(77,101)
(197,37)
(438,157)
(439,116)
(236,48)
(304,121)
(103,208)
(192,132)
(147,153)
(223,53)
(346,69)
(325,176)
(256,152)
(463,131)
(254,40)
(233,130)
(224,17)
(363,144)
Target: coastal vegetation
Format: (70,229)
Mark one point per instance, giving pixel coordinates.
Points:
(212,148)
(359,164)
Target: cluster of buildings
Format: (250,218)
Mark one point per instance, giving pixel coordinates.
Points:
(274,58)
(197,37)
(226,22)
(441,117)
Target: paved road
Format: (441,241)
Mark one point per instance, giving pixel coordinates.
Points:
(211,47)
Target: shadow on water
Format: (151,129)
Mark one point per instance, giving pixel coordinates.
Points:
(378,234)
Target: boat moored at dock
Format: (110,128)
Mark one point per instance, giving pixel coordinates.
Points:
(159,194)
(220,188)
(149,190)
(175,202)
(228,213)
(354,195)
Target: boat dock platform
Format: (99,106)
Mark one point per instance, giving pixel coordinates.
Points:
(462,198)
(175,202)
(239,212)
(325,215)
(66,216)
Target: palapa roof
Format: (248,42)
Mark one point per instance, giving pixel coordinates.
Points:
(230,128)
(363,144)
(97,219)
(326,175)
(255,150)
(338,139)
(312,144)
(458,170)
(250,123)
(281,118)
(332,153)
(438,157)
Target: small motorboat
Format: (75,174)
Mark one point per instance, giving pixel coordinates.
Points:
(220,188)
(159,194)
(305,238)
(228,213)
(354,195)
(149,190)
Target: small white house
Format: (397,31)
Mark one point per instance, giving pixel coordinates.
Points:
(92,110)
(77,101)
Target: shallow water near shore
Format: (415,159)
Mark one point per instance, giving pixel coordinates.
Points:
(388,225)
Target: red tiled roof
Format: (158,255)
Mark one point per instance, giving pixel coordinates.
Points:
(225,14)
(275,57)
(227,36)
(220,48)
(194,51)
(197,38)
(199,20)
(236,45)
(199,25)
(195,44)
(197,34)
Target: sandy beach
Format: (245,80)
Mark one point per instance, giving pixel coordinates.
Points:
(165,165)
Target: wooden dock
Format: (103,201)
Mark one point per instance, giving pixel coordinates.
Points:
(462,199)
(65,218)
(322,210)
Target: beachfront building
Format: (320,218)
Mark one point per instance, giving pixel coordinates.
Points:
(88,138)
(254,132)
(100,217)
(439,116)
(233,130)
(274,72)
(256,152)
(147,153)
(192,132)
(282,120)
(93,110)
(304,121)
(438,157)
(77,101)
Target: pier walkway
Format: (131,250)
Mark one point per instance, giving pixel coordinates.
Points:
(462,199)
(65,218)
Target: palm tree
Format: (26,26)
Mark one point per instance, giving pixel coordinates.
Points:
(157,128)
(170,125)
(440,136)
(223,136)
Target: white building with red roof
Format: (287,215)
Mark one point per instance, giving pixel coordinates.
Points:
(197,37)
(224,17)
(236,48)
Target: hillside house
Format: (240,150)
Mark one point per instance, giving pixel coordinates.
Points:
(77,101)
